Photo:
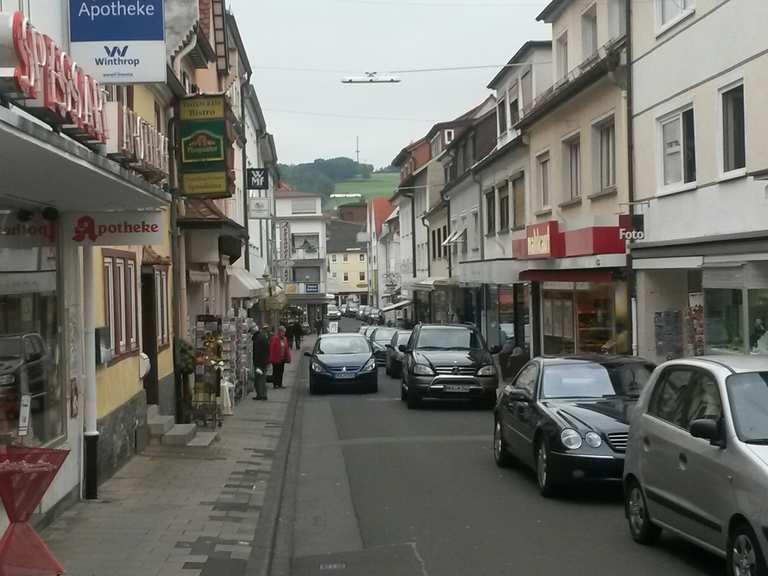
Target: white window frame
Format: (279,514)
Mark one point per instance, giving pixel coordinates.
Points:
(584,55)
(333,258)
(682,185)
(132,282)
(449,136)
(568,142)
(541,158)
(346,276)
(597,153)
(689,8)
(563,60)
(109,300)
(361,276)
(503,104)
(737,172)
(345,258)
(362,257)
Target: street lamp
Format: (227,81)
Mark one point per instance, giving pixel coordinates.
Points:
(370,78)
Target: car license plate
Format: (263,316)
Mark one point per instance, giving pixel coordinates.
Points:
(345,375)
(456,388)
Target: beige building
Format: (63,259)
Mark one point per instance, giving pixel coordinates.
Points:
(347,261)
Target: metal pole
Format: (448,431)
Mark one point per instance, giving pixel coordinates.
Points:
(91,430)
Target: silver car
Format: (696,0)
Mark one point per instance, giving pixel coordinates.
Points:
(697,458)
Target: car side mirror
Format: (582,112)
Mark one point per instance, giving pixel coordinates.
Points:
(308,354)
(708,429)
(496,349)
(403,348)
(519,395)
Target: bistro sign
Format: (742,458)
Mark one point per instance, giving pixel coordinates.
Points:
(37,75)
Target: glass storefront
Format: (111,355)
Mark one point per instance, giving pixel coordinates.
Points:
(29,343)
(585,317)
(514,325)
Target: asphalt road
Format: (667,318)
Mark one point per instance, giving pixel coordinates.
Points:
(382,490)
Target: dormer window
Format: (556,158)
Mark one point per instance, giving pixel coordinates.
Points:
(449,134)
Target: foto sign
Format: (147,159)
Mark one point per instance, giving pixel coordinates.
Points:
(258,179)
(39,77)
(205,147)
(115,229)
(121,41)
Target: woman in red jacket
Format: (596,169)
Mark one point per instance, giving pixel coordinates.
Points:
(279,354)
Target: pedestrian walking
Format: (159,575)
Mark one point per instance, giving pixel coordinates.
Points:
(298,332)
(319,324)
(260,342)
(279,355)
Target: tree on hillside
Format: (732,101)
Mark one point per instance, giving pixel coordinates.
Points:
(320,176)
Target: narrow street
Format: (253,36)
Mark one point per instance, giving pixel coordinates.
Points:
(384,490)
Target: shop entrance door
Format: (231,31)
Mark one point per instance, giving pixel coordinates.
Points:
(149,333)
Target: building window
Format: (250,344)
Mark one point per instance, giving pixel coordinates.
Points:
(333,258)
(670,10)
(514,109)
(490,212)
(502,115)
(542,164)
(345,258)
(362,257)
(362,276)
(161,306)
(120,302)
(518,202)
(333,274)
(434,244)
(435,146)
(526,87)
(562,55)
(572,165)
(606,133)
(303,206)
(734,138)
(346,276)
(444,249)
(678,141)
(504,207)
(589,32)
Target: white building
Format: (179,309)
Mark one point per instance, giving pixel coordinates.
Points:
(700,151)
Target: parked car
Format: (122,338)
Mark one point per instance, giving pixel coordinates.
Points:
(394,363)
(697,459)
(447,362)
(333,312)
(343,361)
(352,309)
(380,336)
(361,312)
(568,418)
(365,330)
(25,367)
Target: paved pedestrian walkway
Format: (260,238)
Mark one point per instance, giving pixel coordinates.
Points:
(181,511)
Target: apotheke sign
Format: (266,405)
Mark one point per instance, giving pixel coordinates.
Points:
(119,229)
(121,41)
(41,78)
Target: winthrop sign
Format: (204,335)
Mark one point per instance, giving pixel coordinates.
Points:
(122,41)
(41,78)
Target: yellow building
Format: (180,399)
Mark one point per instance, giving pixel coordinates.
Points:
(348,270)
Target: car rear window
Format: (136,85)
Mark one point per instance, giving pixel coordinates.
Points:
(384,334)
(343,345)
(449,339)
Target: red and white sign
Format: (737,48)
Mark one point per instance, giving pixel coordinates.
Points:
(45,81)
(118,229)
(136,142)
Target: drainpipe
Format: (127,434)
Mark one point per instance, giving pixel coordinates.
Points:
(91,434)
(182,53)
(243,85)
(450,256)
(631,286)
(413,231)
(480,219)
(424,222)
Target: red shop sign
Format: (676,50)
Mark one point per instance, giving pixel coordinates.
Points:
(45,81)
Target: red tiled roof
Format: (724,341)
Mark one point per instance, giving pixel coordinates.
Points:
(381,208)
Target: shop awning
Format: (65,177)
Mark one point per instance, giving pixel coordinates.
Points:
(84,181)
(244,284)
(397,306)
(429,284)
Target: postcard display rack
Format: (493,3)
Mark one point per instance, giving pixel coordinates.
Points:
(244,356)
(209,366)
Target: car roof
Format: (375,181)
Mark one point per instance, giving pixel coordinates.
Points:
(340,335)
(450,326)
(735,363)
(601,359)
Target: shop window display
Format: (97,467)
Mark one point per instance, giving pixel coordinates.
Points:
(724,320)
(29,346)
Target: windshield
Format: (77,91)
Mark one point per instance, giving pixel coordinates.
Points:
(384,334)
(403,337)
(343,345)
(576,381)
(449,339)
(630,379)
(748,394)
(10,347)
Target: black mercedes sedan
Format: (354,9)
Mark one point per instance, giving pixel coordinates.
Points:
(568,418)
(343,362)
(380,337)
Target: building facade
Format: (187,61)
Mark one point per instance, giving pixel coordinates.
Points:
(347,259)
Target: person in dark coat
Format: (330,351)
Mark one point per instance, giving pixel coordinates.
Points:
(260,362)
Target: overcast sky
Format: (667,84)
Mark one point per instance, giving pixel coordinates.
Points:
(312,115)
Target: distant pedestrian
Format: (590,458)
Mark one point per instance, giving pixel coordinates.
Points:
(279,355)
(298,332)
(260,361)
(319,324)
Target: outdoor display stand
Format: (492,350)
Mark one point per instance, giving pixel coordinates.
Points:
(244,360)
(209,345)
(25,475)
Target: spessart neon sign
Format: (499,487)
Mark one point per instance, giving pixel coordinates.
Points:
(48,83)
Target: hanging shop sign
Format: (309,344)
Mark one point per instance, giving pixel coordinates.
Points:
(206,155)
(258,208)
(258,179)
(38,76)
(115,229)
(542,239)
(135,143)
(632,227)
(121,41)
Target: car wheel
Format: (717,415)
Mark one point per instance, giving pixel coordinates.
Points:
(745,558)
(642,529)
(543,476)
(500,454)
(413,400)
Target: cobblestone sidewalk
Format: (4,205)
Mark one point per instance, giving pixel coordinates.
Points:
(175,511)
